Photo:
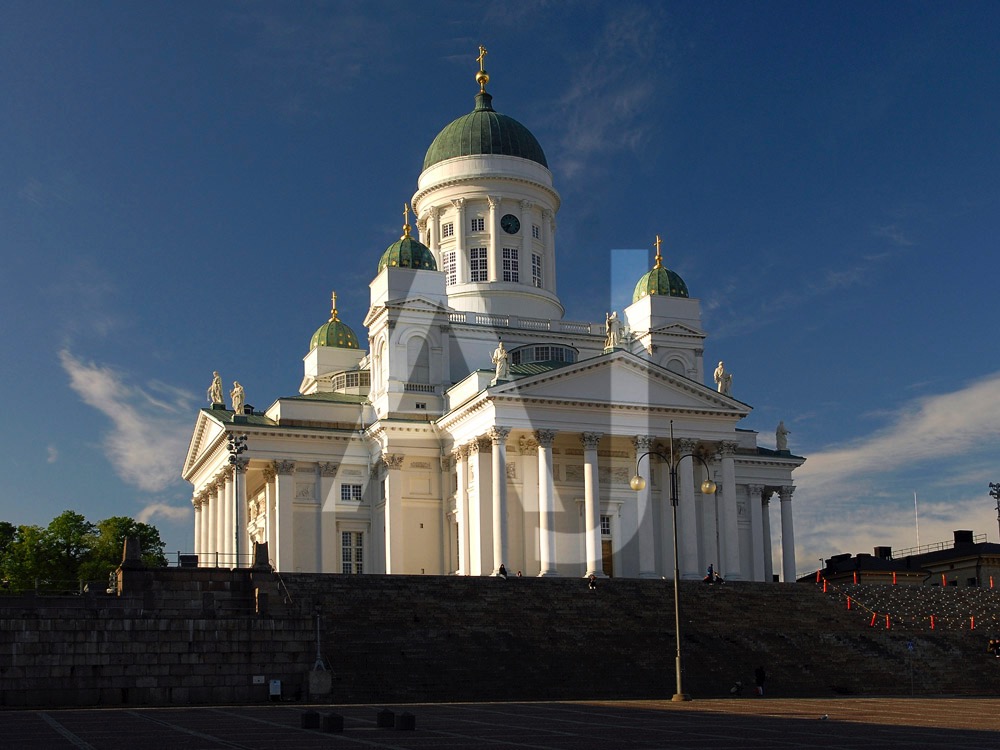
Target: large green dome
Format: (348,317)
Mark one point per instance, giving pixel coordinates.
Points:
(484,131)
(659,280)
(334,332)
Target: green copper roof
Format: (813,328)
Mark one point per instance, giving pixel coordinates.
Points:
(660,281)
(408,253)
(484,131)
(334,332)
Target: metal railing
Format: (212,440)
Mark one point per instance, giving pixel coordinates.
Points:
(210,560)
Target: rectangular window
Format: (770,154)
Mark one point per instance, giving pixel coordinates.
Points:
(536,270)
(352,553)
(510,264)
(536,231)
(478,270)
(450,269)
(448,229)
(350,492)
(605,525)
(478,224)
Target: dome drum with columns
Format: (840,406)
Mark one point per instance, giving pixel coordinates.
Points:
(479,427)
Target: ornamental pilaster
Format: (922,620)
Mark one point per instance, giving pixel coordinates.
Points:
(328,469)
(392,461)
(283,468)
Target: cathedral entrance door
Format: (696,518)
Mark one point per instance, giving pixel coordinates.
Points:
(607,560)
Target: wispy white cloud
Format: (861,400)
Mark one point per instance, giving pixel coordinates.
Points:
(857,495)
(150,425)
(52,454)
(172,513)
(601,112)
(894,234)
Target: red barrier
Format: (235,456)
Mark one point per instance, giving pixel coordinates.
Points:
(887,622)
(872,623)
(894,578)
(848,602)
(932,622)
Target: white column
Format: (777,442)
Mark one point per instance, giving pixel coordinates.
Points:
(644,509)
(209,508)
(687,520)
(787,535)
(461,251)
(546,503)
(765,509)
(327,555)
(240,513)
(666,520)
(592,503)
(196,502)
(729,522)
(461,456)
(498,436)
(229,518)
(756,531)
(495,264)
(394,529)
(220,521)
(549,255)
(480,530)
(270,519)
(283,553)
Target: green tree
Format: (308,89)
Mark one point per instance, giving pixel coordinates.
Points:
(109,542)
(70,542)
(26,558)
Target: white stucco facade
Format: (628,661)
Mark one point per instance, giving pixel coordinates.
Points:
(408,454)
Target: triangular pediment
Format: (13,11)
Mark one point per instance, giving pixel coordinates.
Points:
(679,329)
(623,380)
(206,432)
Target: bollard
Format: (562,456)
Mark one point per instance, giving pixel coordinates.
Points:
(310,720)
(333,723)
(385,719)
(406,722)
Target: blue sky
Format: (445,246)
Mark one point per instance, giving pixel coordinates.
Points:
(182,184)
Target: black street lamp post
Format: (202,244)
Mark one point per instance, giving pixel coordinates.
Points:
(995,494)
(708,487)
(237,446)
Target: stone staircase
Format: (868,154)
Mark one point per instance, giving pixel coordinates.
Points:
(402,638)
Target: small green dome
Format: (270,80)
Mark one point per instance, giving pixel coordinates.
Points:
(484,131)
(660,281)
(408,253)
(334,332)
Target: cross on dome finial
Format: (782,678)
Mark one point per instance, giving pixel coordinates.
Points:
(406,222)
(333,305)
(659,258)
(482,77)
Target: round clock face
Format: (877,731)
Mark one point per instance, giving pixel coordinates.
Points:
(510,224)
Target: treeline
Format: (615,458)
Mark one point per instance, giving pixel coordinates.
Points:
(70,550)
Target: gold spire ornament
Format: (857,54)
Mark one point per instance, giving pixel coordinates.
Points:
(406,222)
(482,77)
(333,306)
(659,258)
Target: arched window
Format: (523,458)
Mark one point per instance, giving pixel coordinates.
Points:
(417,360)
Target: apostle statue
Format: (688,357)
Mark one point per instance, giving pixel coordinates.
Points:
(781,436)
(615,330)
(215,395)
(239,397)
(502,362)
(723,380)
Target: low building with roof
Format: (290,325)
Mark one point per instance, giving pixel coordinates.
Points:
(471,426)
(966,560)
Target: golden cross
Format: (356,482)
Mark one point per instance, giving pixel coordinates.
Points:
(333,305)
(482,58)
(659,257)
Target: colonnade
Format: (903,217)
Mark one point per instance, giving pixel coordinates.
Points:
(482,514)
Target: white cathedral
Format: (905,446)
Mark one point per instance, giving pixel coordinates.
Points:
(479,427)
